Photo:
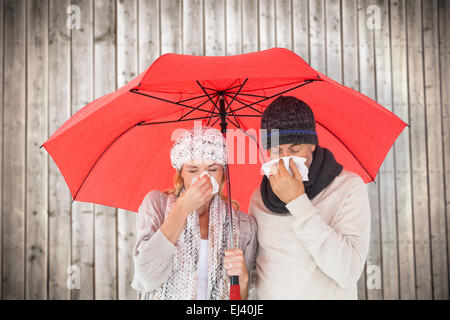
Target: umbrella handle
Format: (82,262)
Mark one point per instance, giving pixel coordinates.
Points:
(235,288)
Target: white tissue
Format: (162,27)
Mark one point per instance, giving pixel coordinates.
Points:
(299,162)
(214,183)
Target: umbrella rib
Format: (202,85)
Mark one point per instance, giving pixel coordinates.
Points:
(209,120)
(250,95)
(218,118)
(176,103)
(236,94)
(215,106)
(192,98)
(245,105)
(225,89)
(280,93)
(348,149)
(234,116)
(196,108)
(171,121)
(96,161)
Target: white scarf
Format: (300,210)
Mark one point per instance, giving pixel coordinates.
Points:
(182,281)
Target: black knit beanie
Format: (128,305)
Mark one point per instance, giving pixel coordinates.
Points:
(293,118)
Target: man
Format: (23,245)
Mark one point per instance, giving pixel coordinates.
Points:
(313,236)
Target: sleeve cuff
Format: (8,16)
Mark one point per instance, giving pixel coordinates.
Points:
(162,245)
(301,208)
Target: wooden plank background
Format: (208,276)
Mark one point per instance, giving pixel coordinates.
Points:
(58,55)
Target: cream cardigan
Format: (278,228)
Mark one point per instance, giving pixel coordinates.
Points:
(153,251)
(318,249)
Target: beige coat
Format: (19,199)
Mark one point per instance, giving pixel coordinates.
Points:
(318,249)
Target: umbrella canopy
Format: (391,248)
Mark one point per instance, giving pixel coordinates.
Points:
(116,149)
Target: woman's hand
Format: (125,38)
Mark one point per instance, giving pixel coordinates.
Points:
(196,195)
(234,263)
(192,199)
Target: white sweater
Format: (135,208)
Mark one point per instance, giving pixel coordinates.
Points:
(318,249)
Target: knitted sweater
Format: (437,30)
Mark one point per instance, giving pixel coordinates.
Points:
(153,251)
(318,249)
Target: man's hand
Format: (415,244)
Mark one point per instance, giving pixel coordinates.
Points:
(285,186)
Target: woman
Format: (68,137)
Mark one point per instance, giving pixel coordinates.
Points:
(183,233)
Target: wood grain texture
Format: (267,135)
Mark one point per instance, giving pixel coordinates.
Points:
(400,106)
(127,69)
(105,234)
(418,149)
(300,25)
(444,52)
(433,134)
(368,87)
(2,19)
(37,159)
(386,173)
(350,76)
(214,28)
(83,85)
(14,151)
(233,27)
(61,275)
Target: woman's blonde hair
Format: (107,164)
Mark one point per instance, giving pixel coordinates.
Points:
(178,184)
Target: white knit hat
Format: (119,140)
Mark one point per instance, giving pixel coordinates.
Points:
(200,142)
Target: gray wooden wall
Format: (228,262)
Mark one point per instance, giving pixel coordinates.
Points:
(396,52)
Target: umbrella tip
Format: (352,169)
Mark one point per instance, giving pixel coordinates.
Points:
(41,146)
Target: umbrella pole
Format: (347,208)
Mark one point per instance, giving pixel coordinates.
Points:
(235,290)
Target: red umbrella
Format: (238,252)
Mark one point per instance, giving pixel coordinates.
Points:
(116,149)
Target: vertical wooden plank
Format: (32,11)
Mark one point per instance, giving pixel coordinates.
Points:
(368,87)
(350,77)
(435,168)
(333,39)
(37,159)
(214,27)
(266,24)
(386,173)
(59,195)
(283,12)
(444,50)
(105,217)
(402,156)
(300,22)
(82,94)
(193,27)
(171,26)
(317,35)
(105,242)
(149,47)
(418,148)
(14,144)
(233,27)
(2,3)
(249,26)
(127,69)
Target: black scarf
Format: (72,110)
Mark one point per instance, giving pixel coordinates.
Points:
(322,171)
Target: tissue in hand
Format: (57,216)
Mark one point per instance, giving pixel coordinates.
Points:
(214,183)
(299,162)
